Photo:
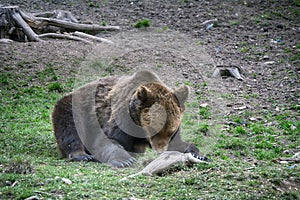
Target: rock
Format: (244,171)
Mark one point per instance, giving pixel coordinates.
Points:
(286,151)
(266,57)
(240,108)
(228,71)
(269,62)
(296,155)
(293,127)
(292,166)
(210,26)
(284,162)
(280,26)
(203,105)
(67,181)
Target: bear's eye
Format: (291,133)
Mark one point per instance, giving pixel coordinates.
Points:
(137,102)
(134,104)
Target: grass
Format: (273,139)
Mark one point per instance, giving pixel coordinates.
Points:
(242,156)
(144,23)
(235,23)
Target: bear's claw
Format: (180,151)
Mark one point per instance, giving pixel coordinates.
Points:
(81,157)
(203,158)
(123,163)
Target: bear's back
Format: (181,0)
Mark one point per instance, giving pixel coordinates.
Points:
(103,99)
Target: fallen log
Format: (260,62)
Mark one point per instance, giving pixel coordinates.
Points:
(20,26)
(75,26)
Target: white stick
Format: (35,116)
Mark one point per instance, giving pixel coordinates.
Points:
(99,39)
(64,36)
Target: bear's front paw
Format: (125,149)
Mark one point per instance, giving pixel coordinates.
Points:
(81,157)
(121,163)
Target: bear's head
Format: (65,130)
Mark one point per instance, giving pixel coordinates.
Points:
(153,106)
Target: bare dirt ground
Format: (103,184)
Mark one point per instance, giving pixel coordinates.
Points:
(259,36)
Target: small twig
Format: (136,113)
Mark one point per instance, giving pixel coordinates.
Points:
(32,198)
(209,21)
(249,168)
(14,183)
(41,193)
(46,193)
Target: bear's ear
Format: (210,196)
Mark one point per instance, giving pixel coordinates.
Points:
(182,94)
(144,93)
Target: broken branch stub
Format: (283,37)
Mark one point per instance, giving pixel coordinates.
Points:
(12,13)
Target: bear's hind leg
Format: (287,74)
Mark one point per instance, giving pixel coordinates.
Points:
(66,134)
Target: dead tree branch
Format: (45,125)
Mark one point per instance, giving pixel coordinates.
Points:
(64,36)
(94,38)
(20,26)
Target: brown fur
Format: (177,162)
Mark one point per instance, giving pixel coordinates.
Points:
(134,112)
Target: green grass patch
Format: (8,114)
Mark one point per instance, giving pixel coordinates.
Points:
(144,23)
(204,113)
(4,78)
(242,156)
(55,87)
(235,23)
(244,49)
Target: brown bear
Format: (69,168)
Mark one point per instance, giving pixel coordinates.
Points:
(114,117)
